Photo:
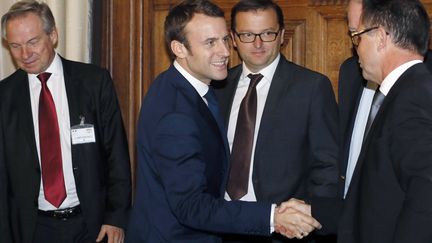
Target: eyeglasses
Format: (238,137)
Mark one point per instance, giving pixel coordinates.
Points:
(356,35)
(267,36)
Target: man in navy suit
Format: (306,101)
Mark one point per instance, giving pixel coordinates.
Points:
(91,159)
(182,148)
(295,146)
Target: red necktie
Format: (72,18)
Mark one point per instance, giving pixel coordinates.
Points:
(241,152)
(50,150)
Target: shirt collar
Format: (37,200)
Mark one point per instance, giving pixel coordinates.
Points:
(198,85)
(394,75)
(55,68)
(267,72)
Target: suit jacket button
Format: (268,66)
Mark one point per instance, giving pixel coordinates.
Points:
(342,177)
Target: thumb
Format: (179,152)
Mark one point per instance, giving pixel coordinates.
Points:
(101,235)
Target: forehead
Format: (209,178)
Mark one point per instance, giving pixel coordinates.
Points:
(23,25)
(202,27)
(256,20)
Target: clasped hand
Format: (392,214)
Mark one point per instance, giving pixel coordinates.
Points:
(293,219)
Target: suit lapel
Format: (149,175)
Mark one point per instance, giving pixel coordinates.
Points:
(189,91)
(282,78)
(227,94)
(347,122)
(74,97)
(379,119)
(25,118)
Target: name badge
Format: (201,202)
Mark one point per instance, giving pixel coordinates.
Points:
(83,133)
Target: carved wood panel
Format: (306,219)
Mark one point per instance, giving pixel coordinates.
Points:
(132,44)
(315,36)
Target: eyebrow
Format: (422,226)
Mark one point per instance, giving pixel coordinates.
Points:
(32,39)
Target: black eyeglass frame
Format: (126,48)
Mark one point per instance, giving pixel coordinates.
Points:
(275,33)
(355,36)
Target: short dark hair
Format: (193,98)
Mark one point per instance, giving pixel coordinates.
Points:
(23,8)
(181,14)
(406,21)
(254,5)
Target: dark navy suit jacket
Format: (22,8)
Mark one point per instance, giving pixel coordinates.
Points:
(182,171)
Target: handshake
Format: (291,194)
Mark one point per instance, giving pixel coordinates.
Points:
(293,219)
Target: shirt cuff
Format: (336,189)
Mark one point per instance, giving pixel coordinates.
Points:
(272,223)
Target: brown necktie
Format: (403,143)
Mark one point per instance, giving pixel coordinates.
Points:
(241,152)
(50,150)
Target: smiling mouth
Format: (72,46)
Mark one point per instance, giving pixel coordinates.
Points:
(222,63)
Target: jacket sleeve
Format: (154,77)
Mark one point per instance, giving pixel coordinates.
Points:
(5,232)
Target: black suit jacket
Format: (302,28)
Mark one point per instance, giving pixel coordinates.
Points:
(390,194)
(350,88)
(351,84)
(101,169)
(296,150)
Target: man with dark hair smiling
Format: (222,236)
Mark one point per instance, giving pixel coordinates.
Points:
(182,149)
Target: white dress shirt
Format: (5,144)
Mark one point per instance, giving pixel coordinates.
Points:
(198,85)
(262,89)
(56,85)
(358,130)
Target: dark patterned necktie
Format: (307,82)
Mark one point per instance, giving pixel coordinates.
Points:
(214,107)
(50,150)
(241,152)
(377,100)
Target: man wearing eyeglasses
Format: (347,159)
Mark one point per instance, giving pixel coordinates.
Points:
(389,196)
(282,128)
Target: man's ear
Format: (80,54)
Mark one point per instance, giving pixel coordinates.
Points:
(383,38)
(179,49)
(53,36)
(282,33)
(233,39)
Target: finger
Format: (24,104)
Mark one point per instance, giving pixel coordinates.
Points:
(110,236)
(113,236)
(280,229)
(296,200)
(311,221)
(307,219)
(101,235)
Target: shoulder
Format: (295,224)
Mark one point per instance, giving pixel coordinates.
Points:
(428,60)
(18,74)
(350,62)
(83,70)
(13,81)
(287,69)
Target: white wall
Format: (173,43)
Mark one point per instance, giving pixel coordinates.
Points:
(73,25)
